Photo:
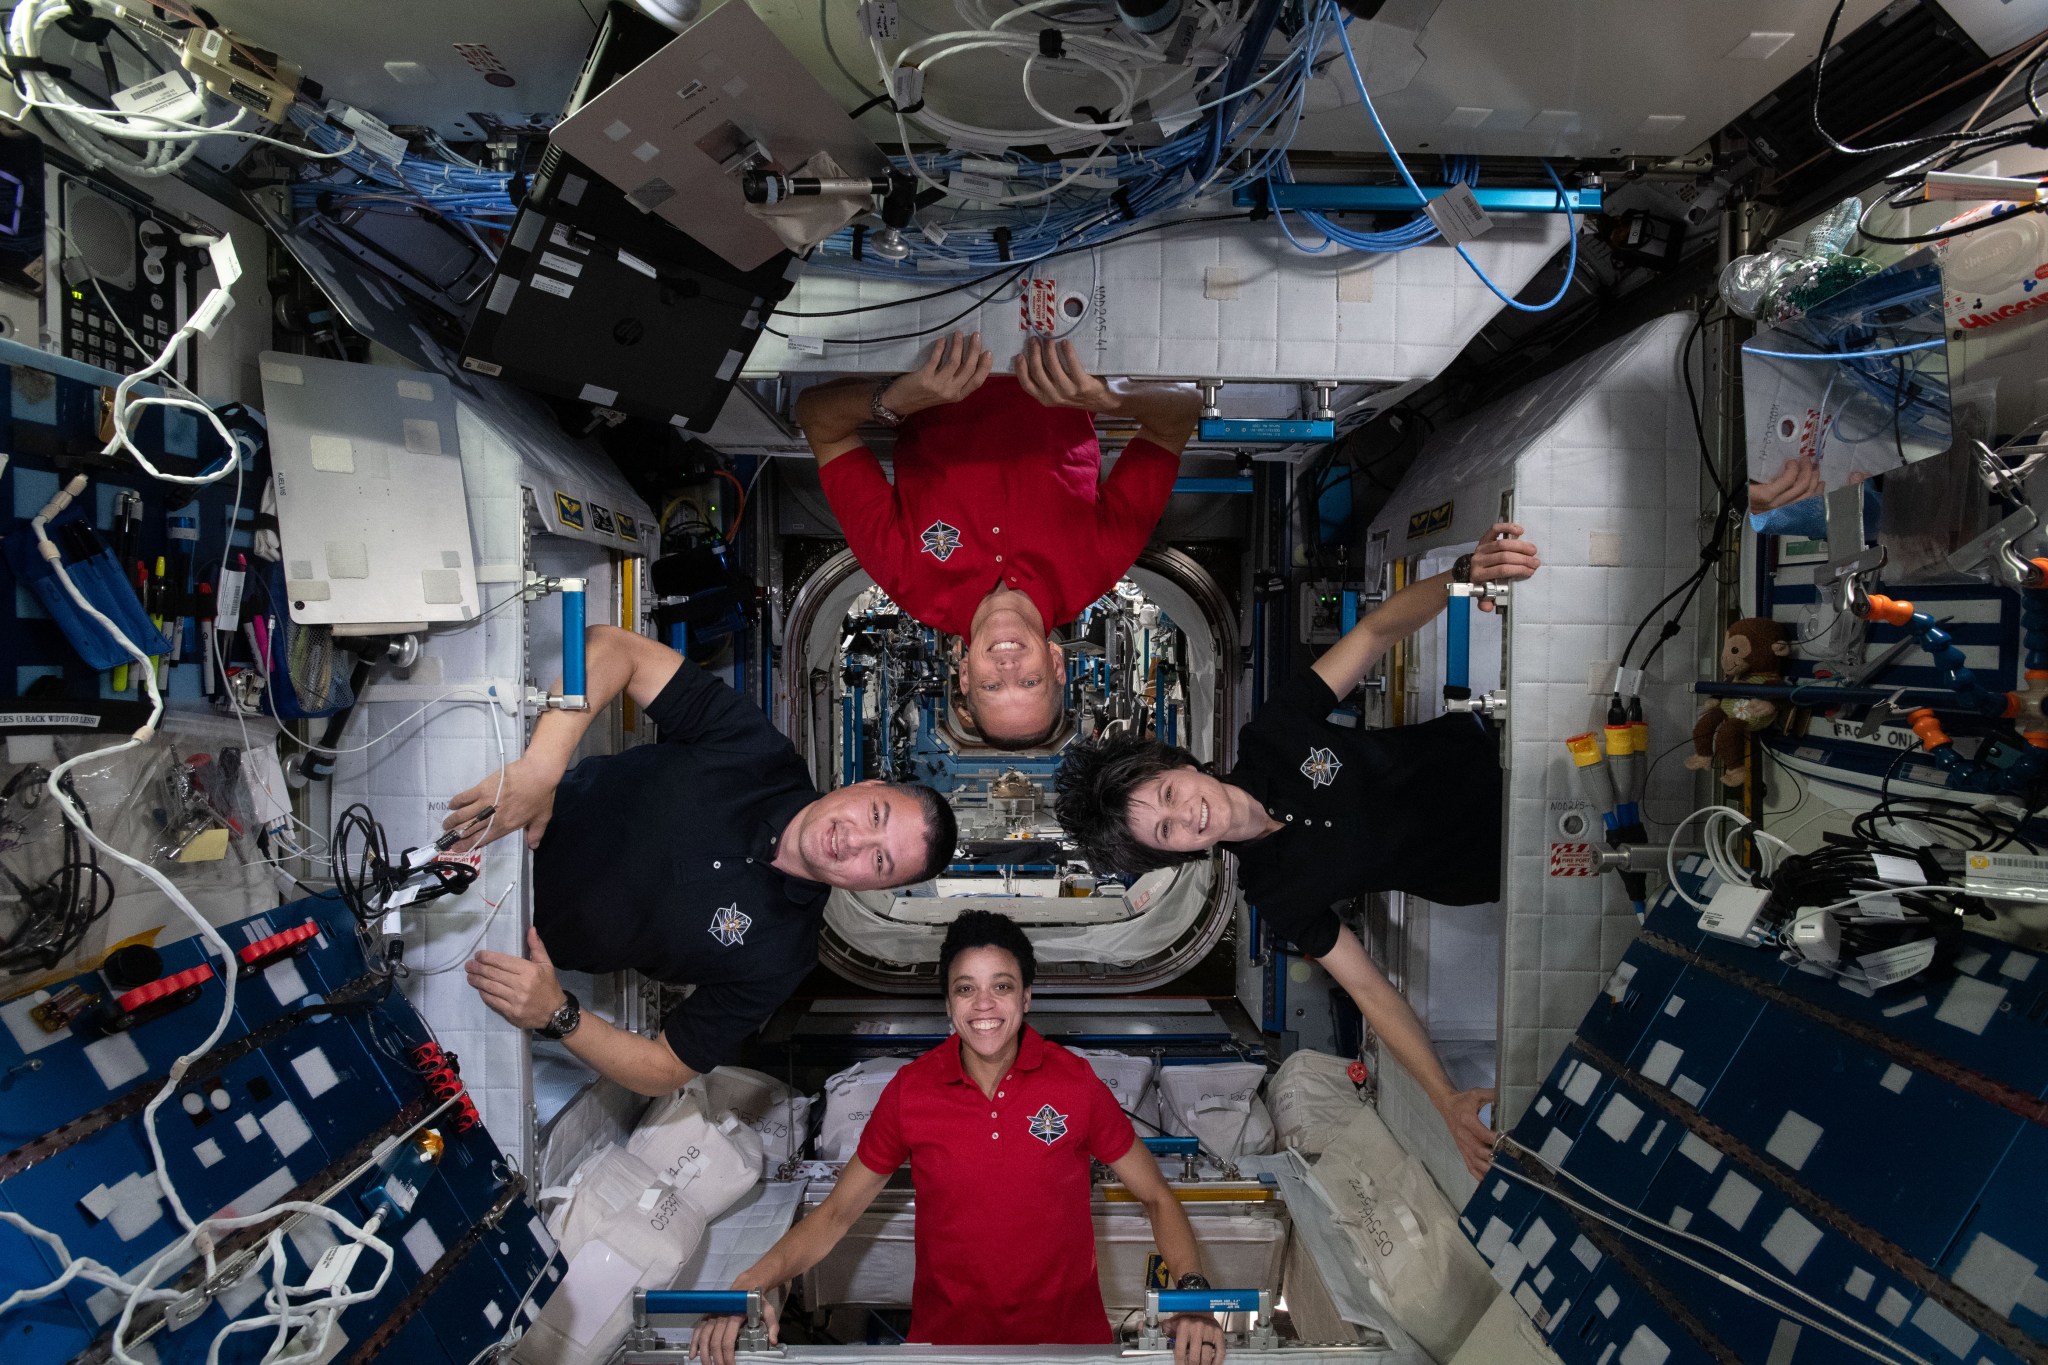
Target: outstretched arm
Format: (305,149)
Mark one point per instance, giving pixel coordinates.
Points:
(831,414)
(1052,373)
(802,1247)
(1497,560)
(1391,1018)
(615,661)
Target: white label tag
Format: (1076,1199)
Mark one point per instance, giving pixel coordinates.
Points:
(1896,964)
(227,608)
(632,262)
(878,18)
(1882,907)
(933,233)
(975,165)
(906,84)
(24,720)
(968,185)
(804,345)
(160,95)
(548,284)
(1897,870)
(1457,215)
(371,134)
(1629,681)
(561,265)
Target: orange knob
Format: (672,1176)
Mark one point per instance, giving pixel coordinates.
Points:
(1890,611)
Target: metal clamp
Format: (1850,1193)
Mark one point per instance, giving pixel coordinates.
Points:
(1259,1336)
(1186,1148)
(1491,705)
(722,1302)
(1210,390)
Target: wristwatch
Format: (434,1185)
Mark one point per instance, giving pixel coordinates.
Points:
(1194,1279)
(881,411)
(1461,570)
(563,1021)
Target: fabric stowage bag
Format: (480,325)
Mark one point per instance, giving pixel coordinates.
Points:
(1218,1104)
(630,1218)
(100,579)
(1430,1277)
(850,1098)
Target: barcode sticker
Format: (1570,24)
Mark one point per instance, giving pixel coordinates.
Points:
(156,96)
(804,345)
(1457,215)
(1899,871)
(968,185)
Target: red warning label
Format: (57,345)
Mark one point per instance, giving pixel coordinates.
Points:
(1038,306)
(1573,860)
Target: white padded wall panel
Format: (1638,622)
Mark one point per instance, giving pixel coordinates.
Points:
(1614,463)
(1151,307)
(1603,465)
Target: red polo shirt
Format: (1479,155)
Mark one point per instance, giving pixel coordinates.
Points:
(998,486)
(1005,1229)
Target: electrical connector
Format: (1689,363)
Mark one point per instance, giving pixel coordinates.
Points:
(1817,937)
(1733,911)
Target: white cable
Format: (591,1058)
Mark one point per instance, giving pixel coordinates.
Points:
(1720,854)
(1537,1158)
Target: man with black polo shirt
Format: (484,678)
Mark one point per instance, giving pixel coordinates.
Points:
(1317,813)
(1000,1128)
(702,860)
(999,527)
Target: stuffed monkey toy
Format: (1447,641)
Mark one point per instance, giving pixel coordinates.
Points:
(1753,652)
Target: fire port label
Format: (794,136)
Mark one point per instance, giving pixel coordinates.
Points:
(1038,306)
(1572,860)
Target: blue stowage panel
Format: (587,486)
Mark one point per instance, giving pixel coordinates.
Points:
(315,1071)
(1880,1151)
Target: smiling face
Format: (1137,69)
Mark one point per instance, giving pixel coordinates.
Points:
(1182,810)
(864,838)
(986,999)
(1011,675)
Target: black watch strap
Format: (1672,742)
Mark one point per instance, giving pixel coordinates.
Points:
(563,1021)
(1194,1279)
(1461,570)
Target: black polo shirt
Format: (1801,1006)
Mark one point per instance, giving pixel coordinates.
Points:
(658,859)
(1415,808)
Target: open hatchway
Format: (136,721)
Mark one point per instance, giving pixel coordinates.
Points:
(871,695)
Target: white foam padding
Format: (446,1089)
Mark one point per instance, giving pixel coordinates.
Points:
(1312,1100)
(1603,445)
(1146,311)
(1219,1104)
(849,1101)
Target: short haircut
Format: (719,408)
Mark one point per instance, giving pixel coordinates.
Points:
(985,929)
(941,830)
(1092,800)
(1012,743)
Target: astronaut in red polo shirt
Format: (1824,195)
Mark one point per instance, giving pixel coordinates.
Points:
(999,526)
(999,1127)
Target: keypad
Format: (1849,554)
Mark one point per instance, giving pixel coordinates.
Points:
(92,336)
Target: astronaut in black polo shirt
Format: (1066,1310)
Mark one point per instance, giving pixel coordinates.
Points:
(1317,813)
(702,860)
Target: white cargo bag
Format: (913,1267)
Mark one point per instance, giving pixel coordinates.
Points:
(1218,1104)
(1130,1080)
(1313,1100)
(630,1217)
(1406,1233)
(849,1099)
(1505,1336)
(778,1115)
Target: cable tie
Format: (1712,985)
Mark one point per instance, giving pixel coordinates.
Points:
(1121,197)
(1262,199)
(860,234)
(911,108)
(1000,233)
(1052,43)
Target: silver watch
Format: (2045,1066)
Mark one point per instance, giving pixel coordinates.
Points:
(881,411)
